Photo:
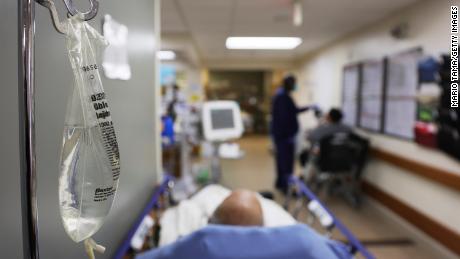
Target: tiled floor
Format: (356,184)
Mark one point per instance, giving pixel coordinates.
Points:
(256,172)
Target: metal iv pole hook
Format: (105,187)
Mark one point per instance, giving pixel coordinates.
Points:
(49,4)
(86,16)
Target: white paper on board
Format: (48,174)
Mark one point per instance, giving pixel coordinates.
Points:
(350,88)
(401,105)
(371,95)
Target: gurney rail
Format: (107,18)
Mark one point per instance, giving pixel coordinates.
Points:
(354,243)
(164,188)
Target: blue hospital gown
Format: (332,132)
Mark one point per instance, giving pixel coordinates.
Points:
(230,242)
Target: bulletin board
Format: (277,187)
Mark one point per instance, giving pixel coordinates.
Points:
(372,99)
(401,85)
(350,94)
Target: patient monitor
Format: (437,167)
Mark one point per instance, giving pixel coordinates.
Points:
(221,121)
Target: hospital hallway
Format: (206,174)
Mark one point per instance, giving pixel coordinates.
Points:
(371,222)
(230,129)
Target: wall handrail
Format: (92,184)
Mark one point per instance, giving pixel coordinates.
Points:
(436,174)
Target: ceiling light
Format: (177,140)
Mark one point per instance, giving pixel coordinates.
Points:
(166,55)
(262,42)
(297,16)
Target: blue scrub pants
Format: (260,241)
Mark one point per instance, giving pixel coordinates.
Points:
(284,154)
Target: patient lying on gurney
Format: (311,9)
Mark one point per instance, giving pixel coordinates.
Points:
(235,230)
(217,204)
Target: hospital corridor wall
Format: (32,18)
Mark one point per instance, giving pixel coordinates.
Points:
(405,179)
(133,106)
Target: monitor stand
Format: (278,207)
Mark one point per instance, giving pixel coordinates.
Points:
(216,168)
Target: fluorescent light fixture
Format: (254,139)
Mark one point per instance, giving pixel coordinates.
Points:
(262,42)
(166,55)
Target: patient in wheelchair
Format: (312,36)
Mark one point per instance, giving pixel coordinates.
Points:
(335,159)
(331,125)
(218,223)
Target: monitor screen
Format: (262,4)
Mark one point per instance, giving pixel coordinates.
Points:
(222,119)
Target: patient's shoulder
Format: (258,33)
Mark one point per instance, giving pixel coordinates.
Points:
(296,241)
(222,242)
(191,246)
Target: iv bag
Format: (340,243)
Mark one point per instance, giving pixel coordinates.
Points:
(90,160)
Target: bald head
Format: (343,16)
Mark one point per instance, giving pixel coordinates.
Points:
(241,208)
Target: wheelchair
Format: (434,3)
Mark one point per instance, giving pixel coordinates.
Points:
(338,165)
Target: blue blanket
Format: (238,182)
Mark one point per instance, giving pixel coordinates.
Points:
(230,242)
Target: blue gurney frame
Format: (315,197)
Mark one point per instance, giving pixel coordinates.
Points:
(354,243)
(165,186)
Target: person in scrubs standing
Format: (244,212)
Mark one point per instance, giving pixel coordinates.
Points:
(284,128)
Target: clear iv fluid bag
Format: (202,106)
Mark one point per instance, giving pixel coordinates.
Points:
(81,177)
(90,165)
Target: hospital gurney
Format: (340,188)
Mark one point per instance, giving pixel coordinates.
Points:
(160,197)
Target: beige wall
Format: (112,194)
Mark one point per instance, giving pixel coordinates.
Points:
(321,76)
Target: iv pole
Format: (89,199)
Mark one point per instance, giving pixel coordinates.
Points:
(26,103)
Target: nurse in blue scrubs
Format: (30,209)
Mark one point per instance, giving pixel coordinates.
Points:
(284,128)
